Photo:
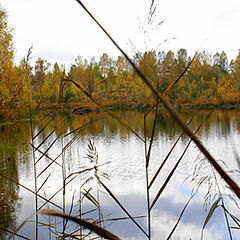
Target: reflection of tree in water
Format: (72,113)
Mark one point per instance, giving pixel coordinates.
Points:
(8,194)
(223,120)
(223,124)
(12,138)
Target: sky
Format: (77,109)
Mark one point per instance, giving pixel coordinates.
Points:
(60,30)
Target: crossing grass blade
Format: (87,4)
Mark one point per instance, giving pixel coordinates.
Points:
(28,189)
(75,175)
(152,136)
(119,219)
(96,229)
(43,128)
(170,175)
(19,227)
(79,129)
(46,179)
(234,218)
(232,184)
(45,154)
(102,107)
(14,233)
(169,153)
(172,84)
(91,198)
(210,214)
(175,226)
(121,206)
(171,150)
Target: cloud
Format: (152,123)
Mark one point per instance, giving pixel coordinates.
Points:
(163,224)
(62,26)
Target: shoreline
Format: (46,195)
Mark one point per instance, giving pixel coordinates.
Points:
(88,108)
(137,107)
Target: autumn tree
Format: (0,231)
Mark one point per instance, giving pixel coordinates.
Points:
(221,62)
(40,71)
(123,85)
(82,73)
(182,88)
(13,88)
(51,83)
(149,67)
(106,67)
(236,70)
(232,82)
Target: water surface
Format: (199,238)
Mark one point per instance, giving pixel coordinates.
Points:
(121,157)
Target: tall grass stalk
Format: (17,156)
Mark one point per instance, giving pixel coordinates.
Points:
(14,234)
(100,231)
(178,221)
(148,154)
(232,184)
(123,208)
(222,203)
(63,167)
(177,140)
(176,165)
(102,107)
(63,182)
(27,74)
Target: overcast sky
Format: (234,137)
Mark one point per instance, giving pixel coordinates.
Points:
(60,30)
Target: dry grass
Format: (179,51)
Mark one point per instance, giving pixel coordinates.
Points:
(95,226)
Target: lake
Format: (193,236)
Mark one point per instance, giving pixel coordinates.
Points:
(120,159)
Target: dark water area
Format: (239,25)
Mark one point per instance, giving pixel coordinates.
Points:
(121,158)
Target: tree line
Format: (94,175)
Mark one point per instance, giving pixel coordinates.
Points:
(211,78)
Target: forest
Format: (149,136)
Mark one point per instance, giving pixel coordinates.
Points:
(210,79)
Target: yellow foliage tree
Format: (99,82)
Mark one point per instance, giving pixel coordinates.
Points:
(13,89)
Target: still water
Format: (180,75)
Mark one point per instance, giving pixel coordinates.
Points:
(122,169)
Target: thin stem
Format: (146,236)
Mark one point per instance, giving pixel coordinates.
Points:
(32,142)
(220,193)
(148,154)
(227,221)
(63,180)
(147,180)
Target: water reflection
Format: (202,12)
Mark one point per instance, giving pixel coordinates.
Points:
(12,149)
(126,170)
(224,120)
